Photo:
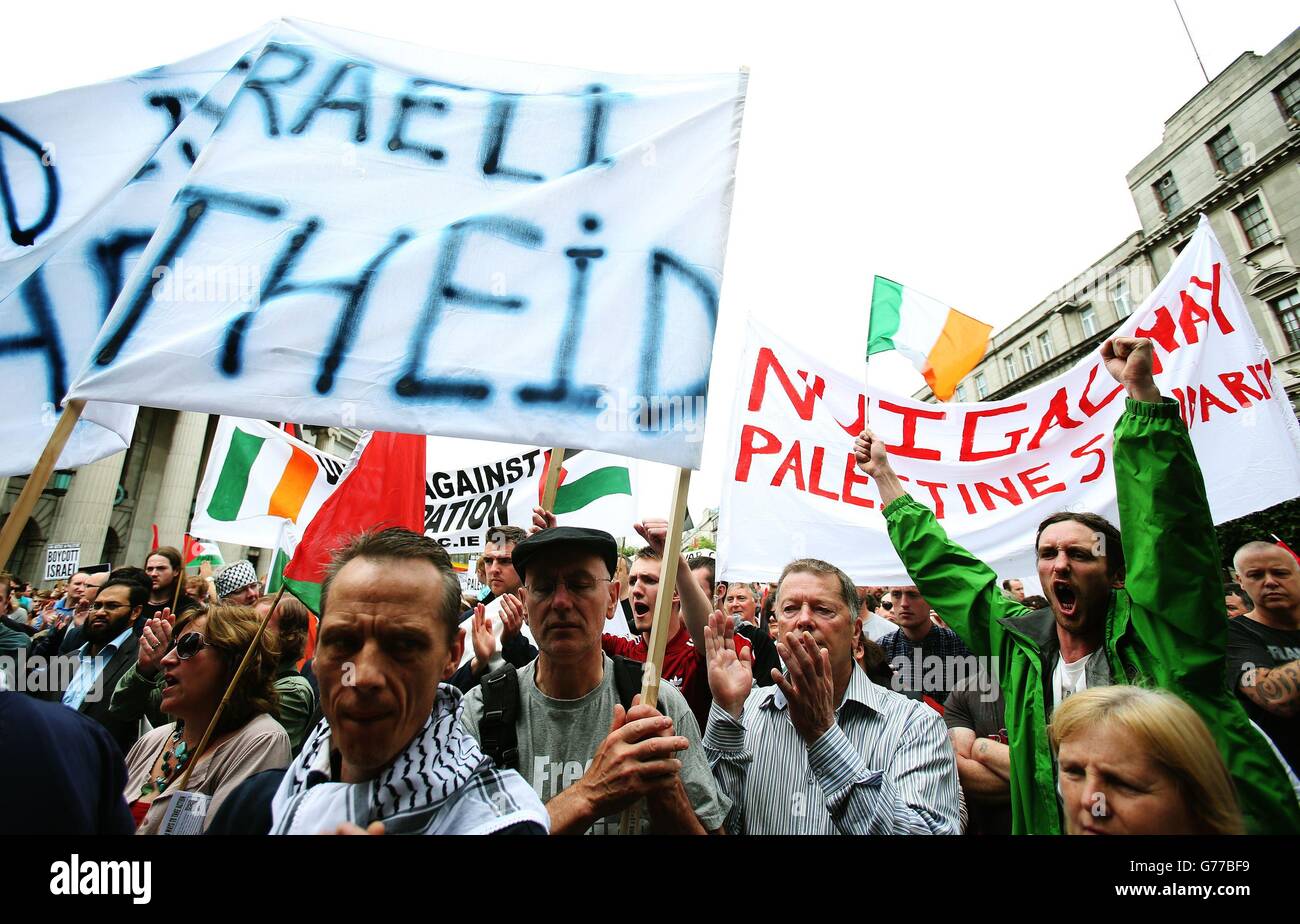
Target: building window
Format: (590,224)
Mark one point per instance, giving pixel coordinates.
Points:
(1254,222)
(1027,356)
(981,385)
(1088,318)
(1167,195)
(1288,97)
(1045,345)
(1123,306)
(960,393)
(1009,363)
(1288,312)
(1224,151)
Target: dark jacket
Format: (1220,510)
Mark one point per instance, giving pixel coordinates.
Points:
(124,732)
(64,774)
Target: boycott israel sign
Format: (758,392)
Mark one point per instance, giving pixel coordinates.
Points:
(61,561)
(382,236)
(992,471)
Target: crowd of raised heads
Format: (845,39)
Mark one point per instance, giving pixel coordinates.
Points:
(1130,685)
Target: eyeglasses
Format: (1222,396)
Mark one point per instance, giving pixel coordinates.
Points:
(579,586)
(190,644)
(101,605)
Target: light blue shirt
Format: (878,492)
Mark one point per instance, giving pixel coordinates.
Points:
(89,670)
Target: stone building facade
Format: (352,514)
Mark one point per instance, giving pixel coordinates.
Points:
(1232,152)
(110,507)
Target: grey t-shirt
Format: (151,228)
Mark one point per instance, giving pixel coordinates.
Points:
(558,739)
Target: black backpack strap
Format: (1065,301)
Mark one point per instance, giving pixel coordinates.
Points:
(497,734)
(627,679)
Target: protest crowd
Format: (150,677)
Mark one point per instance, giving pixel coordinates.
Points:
(1003,616)
(1138,695)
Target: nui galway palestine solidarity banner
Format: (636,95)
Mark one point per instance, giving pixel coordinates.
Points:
(992,471)
(383,236)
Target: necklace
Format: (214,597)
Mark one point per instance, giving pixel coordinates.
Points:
(173,761)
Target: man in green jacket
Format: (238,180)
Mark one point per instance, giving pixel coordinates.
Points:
(1157,622)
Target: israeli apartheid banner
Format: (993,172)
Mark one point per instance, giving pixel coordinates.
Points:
(461,507)
(257,477)
(87,176)
(992,471)
(439,244)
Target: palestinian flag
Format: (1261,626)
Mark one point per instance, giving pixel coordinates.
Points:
(585,477)
(382,487)
(941,342)
(197,551)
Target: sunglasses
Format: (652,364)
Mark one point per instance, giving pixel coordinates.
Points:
(190,644)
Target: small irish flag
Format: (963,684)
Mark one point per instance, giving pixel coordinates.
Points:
(197,551)
(258,477)
(941,342)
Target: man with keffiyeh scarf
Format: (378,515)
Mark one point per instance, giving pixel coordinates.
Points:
(390,755)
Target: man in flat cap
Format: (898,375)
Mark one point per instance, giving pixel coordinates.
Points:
(569,722)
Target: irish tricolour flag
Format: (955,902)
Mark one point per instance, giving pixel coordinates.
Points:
(941,342)
(258,477)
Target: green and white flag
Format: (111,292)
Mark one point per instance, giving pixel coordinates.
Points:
(595,490)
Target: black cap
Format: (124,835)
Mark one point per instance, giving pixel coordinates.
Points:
(574,538)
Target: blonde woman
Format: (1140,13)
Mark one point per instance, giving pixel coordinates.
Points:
(1138,761)
(197,668)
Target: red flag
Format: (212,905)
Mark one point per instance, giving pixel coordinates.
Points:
(382,487)
(154,547)
(546,469)
(1287,547)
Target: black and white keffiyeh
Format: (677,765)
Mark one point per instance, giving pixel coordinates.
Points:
(441,784)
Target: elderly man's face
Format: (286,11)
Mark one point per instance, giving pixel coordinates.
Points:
(91,590)
(813,603)
(76,587)
(1272,578)
(382,652)
(569,598)
(245,596)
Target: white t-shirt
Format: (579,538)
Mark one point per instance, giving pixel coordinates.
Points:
(1069,678)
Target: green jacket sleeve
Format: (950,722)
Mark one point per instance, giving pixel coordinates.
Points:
(1170,549)
(1169,628)
(961,588)
(137,696)
(297,704)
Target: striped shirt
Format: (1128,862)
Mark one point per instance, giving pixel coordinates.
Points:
(884,767)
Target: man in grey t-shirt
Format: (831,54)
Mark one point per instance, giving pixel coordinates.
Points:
(584,755)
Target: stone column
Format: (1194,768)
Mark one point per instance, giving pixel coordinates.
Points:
(180,477)
(87,508)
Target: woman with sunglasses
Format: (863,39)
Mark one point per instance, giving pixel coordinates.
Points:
(196,671)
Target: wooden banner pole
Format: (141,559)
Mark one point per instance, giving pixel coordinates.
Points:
(234,682)
(38,479)
(552,479)
(654,659)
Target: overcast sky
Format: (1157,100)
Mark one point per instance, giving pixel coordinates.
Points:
(976,151)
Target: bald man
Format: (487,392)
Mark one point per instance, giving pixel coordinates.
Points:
(1264,644)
